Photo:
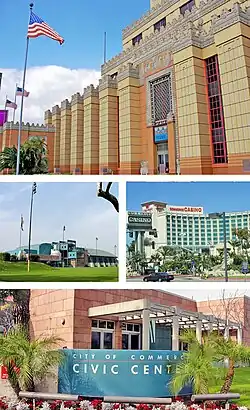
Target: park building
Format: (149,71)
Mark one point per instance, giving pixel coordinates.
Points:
(67,253)
(185,227)
(131,319)
(175,100)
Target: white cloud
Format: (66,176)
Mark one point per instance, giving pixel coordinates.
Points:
(48,86)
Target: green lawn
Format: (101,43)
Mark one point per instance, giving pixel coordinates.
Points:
(241,385)
(39,272)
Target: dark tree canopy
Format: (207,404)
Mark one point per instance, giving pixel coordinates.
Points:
(107,195)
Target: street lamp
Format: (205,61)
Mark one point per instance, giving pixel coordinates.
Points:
(223,215)
(33,192)
(96,246)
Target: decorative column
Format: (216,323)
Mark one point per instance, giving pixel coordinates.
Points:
(142,241)
(91,130)
(199,331)
(109,125)
(171,144)
(76,148)
(192,109)
(56,122)
(175,333)
(129,120)
(145,329)
(48,118)
(136,242)
(65,136)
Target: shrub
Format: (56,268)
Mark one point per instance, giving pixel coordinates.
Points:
(34,258)
(13,258)
(5,256)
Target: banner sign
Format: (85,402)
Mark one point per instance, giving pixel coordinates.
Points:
(184,209)
(161,134)
(136,373)
(3,117)
(139,220)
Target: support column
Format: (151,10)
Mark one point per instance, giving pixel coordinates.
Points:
(240,335)
(56,123)
(130,140)
(199,331)
(109,125)
(193,120)
(48,118)
(142,242)
(175,334)
(145,329)
(136,242)
(91,130)
(76,149)
(65,137)
(139,242)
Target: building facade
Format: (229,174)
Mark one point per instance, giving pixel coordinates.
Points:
(9,136)
(161,224)
(67,253)
(175,100)
(130,319)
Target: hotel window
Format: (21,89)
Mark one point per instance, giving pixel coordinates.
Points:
(160,24)
(161,99)
(187,6)
(102,334)
(217,125)
(131,336)
(137,39)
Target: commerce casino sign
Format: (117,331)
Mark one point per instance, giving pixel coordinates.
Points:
(137,373)
(139,221)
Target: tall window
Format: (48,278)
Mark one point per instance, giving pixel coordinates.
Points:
(187,6)
(160,24)
(161,99)
(137,39)
(102,334)
(217,124)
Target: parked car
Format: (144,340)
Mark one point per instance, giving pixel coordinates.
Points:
(159,277)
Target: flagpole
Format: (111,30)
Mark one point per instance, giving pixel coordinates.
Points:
(20,244)
(22,99)
(30,225)
(14,113)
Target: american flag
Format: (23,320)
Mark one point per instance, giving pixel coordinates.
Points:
(10,104)
(37,27)
(20,92)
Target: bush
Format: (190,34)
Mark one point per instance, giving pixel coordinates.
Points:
(34,258)
(5,256)
(13,258)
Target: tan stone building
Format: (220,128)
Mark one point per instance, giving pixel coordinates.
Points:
(175,100)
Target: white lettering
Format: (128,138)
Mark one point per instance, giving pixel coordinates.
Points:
(150,357)
(132,357)
(159,357)
(146,369)
(142,357)
(85,368)
(169,368)
(92,356)
(104,369)
(133,369)
(113,369)
(74,368)
(74,356)
(107,357)
(94,368)
(158,369)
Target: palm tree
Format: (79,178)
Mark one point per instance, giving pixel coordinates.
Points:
(33,157)
(197,367)
(165,252)
(234,244)
(234,353)
(28,361)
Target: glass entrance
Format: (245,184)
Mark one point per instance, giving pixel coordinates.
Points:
(162,158)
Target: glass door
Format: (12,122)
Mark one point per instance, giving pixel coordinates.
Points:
(162,158)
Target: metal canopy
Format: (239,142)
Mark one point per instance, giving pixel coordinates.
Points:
(133,311)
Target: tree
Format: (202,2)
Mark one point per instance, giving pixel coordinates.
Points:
(33,157)
(234,244)
(166,252)
(197,367)
(18,308)
(107,195)
(30,361)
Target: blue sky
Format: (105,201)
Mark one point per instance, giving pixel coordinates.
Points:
(57,72)
(82,24)
(74,205)
(213,196)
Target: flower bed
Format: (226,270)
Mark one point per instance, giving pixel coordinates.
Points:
(178,404)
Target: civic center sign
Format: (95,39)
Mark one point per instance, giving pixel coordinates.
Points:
(134,373)
(139,220)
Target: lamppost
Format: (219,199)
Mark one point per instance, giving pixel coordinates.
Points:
(222,215)
(96,246)
(33,192)
(63,237)
(115,251)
